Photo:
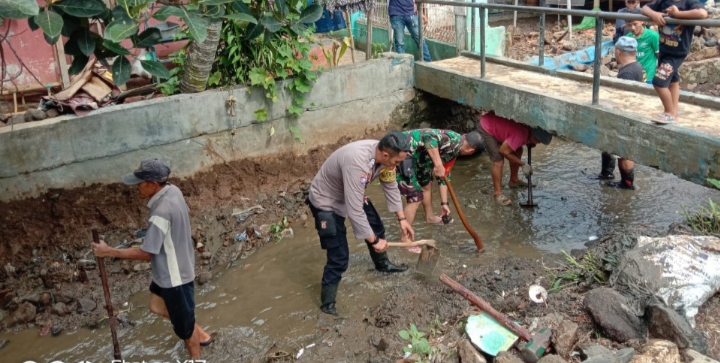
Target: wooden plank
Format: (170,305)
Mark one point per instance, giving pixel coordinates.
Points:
(62,61)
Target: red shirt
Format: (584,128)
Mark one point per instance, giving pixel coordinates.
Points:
(504,129)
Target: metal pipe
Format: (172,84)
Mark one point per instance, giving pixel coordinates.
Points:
(596,63)
(541,55)
(420,33)
(714,23)
(472,29)
(482,42)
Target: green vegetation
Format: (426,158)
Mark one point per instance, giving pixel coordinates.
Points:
(706,221)
(418,343)
(588,269)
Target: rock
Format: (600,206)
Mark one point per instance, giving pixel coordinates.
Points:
(613,74)
(207,255)
(25,313)
(691,86)
(60,309)
(85,305)
(507,357)
(624,355)
(613,65)
(382,345)
(468,353)
(287,233)
(712,42)
(604,71)
(697,44)
(610,311)
(35,115)
(52,113)
(606,59)
(45,299)
(565,337)
(142,266)
(56,330)
(705,53)
(658,351)
(594,353)
(204,277)
(665,323)
(694,355)
(697,30)
(580,67)
(569,45)
(4,343)
(16,120)
(2,315)
(551,359)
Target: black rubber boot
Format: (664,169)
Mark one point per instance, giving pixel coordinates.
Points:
(327,299)
(382,262)
(608,167)
(627,180)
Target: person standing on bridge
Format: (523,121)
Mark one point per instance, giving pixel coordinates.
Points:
(168,246)
(631,70)
(338,192)
(503,139)
(403,14)
(675,40)
(648,46)
(432,152)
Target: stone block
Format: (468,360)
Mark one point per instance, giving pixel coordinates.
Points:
(610,311)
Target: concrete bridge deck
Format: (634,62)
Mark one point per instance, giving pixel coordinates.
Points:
(620,123)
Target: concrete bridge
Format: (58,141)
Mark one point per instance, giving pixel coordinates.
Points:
(561,103)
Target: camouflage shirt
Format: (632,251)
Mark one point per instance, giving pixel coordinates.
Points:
(448,144)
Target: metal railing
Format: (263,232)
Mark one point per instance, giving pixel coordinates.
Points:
(599,16)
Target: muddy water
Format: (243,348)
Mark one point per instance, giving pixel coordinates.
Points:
(273,295)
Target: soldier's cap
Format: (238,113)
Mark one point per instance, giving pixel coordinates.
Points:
(396,140)
(150,170)
(542,135)
(627,44)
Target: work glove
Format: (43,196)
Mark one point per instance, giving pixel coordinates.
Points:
(527,169)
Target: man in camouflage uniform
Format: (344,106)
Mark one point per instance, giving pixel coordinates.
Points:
(432,153)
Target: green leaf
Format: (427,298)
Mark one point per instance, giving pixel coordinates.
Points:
(18,9)
(301,86)
(32,24)
(270,23)
(155,68)
(51,40)
(257,76)
(50,22)
(121,70)
(86,41)
(240,7)
(215,2)
(120,13)
(115,47)
(294,129)
(413,329)
(214,79)
(281,6)
(215,12)
(70,25)
(311,14)
(254,31)
(78,64)
(297,111)
(148,38)
(133,3)
(81,8)
(715,183)
(167,11)
(243,17)
(404,334)
(118,30)
(261,115)
(196,26)
(71,47)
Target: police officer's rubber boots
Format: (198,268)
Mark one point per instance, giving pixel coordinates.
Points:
(382,262)
(327,299)
(627,180)
(608,167)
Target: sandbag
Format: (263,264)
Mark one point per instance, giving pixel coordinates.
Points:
(680,271)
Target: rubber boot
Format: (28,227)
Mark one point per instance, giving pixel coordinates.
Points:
(608,167)
(382,262)
(327,299)
(627,180)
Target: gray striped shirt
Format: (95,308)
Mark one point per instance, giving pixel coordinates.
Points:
(169,240)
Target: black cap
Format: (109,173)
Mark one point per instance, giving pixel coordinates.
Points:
(150,170)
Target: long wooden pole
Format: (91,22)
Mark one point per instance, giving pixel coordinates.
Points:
(478,241)
(368,46)
(487,308)
(108,300)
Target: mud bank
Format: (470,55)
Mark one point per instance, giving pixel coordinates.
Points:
(49,278)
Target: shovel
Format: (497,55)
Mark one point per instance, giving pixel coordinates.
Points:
(529,203)
(429,256)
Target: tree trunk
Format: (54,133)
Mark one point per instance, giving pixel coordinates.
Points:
(200,58)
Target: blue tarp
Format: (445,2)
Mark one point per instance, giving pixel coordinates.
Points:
(568,60)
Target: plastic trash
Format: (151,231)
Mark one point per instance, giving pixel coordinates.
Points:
(488,335)
(679,271)
(538,294)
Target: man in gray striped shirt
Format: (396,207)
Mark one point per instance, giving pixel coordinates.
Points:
(168,245)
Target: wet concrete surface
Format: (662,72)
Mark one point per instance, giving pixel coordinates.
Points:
(273,295)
